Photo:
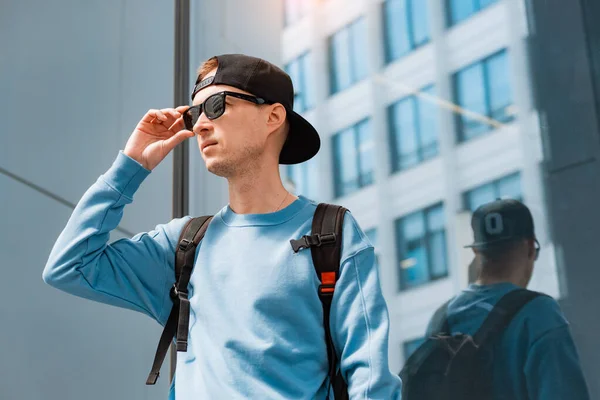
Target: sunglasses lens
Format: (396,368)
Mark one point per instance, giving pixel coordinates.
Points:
(190,117)
(214,106)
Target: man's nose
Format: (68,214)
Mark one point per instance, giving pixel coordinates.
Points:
(203,125)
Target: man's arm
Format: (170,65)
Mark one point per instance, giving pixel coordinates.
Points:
(552,368)
(130,273)
(360,328)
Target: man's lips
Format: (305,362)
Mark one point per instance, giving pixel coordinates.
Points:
(206,144)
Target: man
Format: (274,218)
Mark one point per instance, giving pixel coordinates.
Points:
(535,357)
(256,328)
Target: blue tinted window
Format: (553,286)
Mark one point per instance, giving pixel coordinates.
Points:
(484,3)
(471,97)
(483,92)
(353,158)
(422,247)
(437,242)
(481,195)
(406,26)
(404,134)
(346,162)
(366,153)
(413,130)
(459,10)
(397,39)
(358,46)
(428,129)
(498,81)
(339,58)
(506,187)
(304,178)
(307,81)
(510,187)
(413,264)
(298,71)
(420,22)
(347,56)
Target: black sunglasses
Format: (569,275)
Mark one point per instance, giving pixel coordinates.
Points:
(214,106)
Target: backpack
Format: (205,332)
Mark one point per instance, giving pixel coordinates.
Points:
(459,366)
(325,243)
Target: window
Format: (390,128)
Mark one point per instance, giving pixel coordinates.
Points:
(353,158)
(299,70)
(304,177)
(413,130)
(483,88)
(459,10)
(294,10)
(421,244)
(347,56)
(406,27)
(506,187)
(410,346)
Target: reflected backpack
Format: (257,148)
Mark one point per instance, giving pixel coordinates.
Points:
(325,244)
(459,366)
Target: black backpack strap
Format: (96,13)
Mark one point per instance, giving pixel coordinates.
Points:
(179,318)
(439,321)
(502,314)
(326,249)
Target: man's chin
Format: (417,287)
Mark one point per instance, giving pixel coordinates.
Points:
(218,169)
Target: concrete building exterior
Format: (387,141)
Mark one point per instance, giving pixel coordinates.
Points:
(76,79)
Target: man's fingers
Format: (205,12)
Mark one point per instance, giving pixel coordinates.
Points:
(160,115)
(178,125)
(171,112)
(175,114)
(178,138)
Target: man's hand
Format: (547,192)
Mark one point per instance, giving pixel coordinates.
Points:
(156,135)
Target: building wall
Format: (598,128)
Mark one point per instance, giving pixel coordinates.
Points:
(76,78)
(572,149)
(460,166)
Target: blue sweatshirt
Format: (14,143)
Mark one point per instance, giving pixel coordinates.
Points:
(256,323)
(535,359)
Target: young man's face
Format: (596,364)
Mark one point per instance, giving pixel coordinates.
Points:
(231,143)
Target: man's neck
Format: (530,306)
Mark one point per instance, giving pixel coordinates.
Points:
(488,280)
(258,193)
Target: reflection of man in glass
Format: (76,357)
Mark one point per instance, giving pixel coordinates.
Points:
(473,270)
(535,356)
(256,323)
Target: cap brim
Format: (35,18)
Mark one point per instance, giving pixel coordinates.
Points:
(303,141)
(492,243)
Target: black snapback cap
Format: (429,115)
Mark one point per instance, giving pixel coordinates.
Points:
(266,80)
(501,221)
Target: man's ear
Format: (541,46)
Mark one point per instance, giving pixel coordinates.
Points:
(276,116)
(531,248)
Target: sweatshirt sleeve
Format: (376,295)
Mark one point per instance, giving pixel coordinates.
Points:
(552,369)
(131,273)
(360,323)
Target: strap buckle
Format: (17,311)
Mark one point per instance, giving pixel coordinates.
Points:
(317,240)
(327,238)
(185,244)
(326,290)
(175,292)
